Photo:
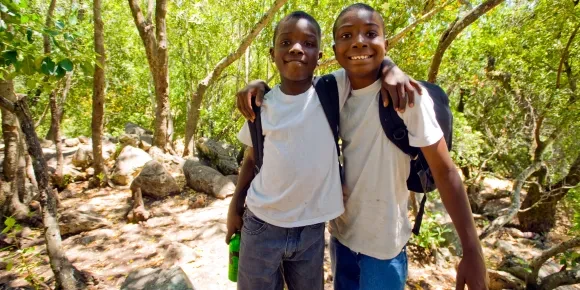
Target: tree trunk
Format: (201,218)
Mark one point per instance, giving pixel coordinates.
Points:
(453,30)
(539,207)
(60,106)
(98,93)
(155,42)
(193,116)
(66,275)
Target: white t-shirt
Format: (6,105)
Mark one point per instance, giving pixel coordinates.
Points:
(375,220)
(299,182)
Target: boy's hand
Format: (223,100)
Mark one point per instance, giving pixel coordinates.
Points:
(234,223)
(472,272)
(398,85)
(244,98)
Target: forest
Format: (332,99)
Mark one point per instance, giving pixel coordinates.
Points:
(119,121)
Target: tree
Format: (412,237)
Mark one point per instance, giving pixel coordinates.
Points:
(193,114)
(155,42)
(98,92)
(453,30)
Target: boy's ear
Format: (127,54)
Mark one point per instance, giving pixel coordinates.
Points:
(334,49)
(272,54)
(386,44)
(319,55)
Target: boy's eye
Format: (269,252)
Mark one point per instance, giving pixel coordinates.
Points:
(345,35)
(310,44)
(372,34)
(285,42)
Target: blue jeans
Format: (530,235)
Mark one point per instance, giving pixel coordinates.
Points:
(271,255)
(354,271)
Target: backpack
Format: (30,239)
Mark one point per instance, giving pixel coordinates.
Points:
(327,91)
(420,177)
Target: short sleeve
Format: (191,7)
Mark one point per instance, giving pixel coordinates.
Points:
(244,135)
(421,122)
(343,86)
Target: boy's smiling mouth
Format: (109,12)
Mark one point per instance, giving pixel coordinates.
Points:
(359,57)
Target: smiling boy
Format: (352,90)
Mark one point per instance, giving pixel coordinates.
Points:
(298,187)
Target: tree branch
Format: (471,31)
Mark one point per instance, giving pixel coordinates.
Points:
(515,203)
(453,30)
(6,104)
(565,54)
(569,277)
(150,11)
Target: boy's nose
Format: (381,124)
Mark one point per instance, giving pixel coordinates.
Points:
(359,41)
(296,49)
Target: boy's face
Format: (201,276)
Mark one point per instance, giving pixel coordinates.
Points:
(296,50)
(359,42)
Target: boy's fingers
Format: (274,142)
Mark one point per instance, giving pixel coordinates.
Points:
(248,108)
(385,97)
(402,98)
(229,236)
(259,97)
(460,280)
(242,104)
(411,94)
(392,94)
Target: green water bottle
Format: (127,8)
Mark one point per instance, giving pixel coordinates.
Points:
(234,257)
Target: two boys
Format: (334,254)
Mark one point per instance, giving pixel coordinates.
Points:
(368,238)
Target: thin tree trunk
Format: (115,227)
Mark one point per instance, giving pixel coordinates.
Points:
(66,275)
(453,30)
(98,94)
(538,210)
(60,105)
(193,117)
(155,42)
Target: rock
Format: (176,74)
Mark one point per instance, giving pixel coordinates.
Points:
(83,158)
(129,140)
(90,171)
(74,222)
(46,143)
(132,128)
(155,181)
(128,162)
(220,155)
(505,247)
(174,278)
(208,180)
(198,202)
(499,280)
(84,140)
(145,142)
(157,154)
(24,233)
(179,146)
(178,254)
(233,178)
(71,142)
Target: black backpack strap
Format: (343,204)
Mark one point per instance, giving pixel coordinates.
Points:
(257,137)
(327,91)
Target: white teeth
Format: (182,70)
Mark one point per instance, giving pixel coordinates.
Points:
(360,57)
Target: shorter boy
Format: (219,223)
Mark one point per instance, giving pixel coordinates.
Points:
(298,187)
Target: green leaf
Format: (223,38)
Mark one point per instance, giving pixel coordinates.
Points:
(24,19)
(31,84)
(9,265)
(60,72)
(69,37)
(2,25)
(88,68)
(29,35)
(24,4)
(72,20)
(48,66)
(59,24)
(11,56)
(28,65)
(9,223)
(3,8)
(66,64)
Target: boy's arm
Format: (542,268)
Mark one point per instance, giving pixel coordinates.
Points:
(236,209)
(471,271)
(258,89)
(398,85)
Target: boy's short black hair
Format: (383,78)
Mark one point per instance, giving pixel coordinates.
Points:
(356,6)
(298,15)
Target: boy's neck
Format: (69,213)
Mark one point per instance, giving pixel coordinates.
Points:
(293,88)
(358,81)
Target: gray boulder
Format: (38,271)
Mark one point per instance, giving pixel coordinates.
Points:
(73,222)
(174,278)
(46,143)
(220,155)
(145,142)
(129,140)
(83,158)
(207,180)
(84,140)
(128,162)
(71,142)
(155,181)
(132,128)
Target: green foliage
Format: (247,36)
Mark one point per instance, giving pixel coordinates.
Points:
(431,235)
(573,201)
(23,261)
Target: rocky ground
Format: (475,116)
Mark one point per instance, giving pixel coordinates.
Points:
(189,229)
